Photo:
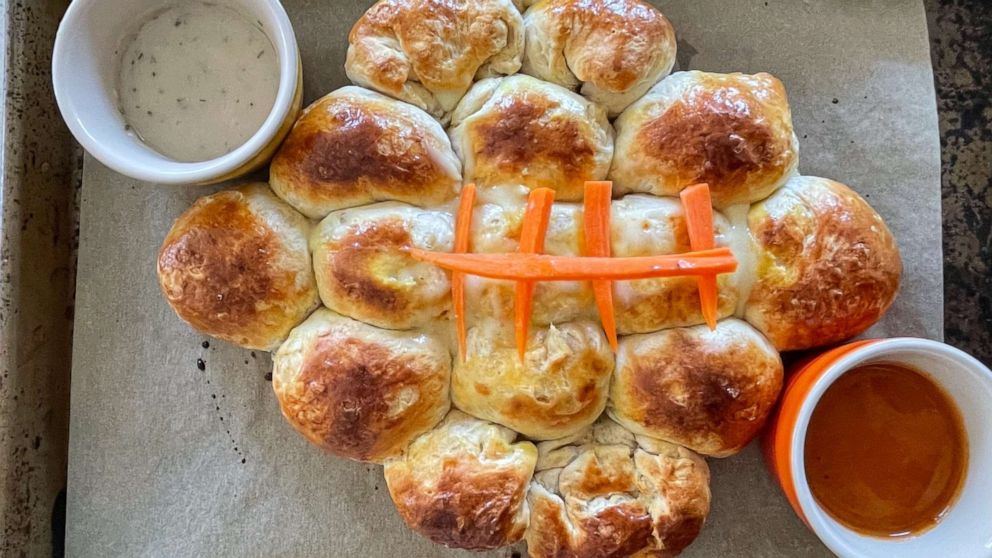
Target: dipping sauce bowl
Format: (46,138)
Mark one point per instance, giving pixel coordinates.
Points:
(86,66)
(965,529)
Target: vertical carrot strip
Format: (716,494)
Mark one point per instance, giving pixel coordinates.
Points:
(535,228)
(463,227)
(596,229)
(699,221)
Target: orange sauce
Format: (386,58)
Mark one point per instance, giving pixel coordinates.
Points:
(886,451)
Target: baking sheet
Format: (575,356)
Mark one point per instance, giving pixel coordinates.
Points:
(169,460)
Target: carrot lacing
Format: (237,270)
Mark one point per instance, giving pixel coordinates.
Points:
(699,222)
(463,227)
(528,266)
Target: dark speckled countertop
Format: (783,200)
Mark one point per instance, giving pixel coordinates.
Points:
(961,48)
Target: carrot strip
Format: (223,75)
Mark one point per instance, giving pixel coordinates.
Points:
(463,227)
(539,267)
(699,221)
(596,228)
(535,228)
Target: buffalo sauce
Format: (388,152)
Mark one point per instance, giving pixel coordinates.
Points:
(886,451)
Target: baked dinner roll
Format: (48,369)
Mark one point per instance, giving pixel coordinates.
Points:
(560,387)
(358,391)
(647,226)
(355,146)
(496,226)
(827,266)
(428,52)
(709,391)
(464,484)
(732,131)
(236,266)
(521,130)
(364,272)
(607,494)
(615,49)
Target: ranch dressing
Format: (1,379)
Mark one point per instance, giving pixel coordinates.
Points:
(197,80)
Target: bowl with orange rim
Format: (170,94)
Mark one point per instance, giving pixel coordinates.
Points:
(883,448)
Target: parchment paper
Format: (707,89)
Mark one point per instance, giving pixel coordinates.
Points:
(169,460)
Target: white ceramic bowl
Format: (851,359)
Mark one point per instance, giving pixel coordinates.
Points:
(85,69)
(966,529)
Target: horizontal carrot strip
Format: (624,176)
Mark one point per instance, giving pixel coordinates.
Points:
(463,227)
(537,215)
(596,228)
(699,222)
(539,267)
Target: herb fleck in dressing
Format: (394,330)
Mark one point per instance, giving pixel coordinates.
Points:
(197,81)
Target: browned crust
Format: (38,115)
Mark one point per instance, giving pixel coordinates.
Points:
(352,261)
(547,534)
(523,134)
(712,399)
(474,505)
(842,267)
(624,38)
(732,131)
(219,269)
(348,397)
(712,140)
(464,484)
(357,150)
(657,508)
(602,475)
(429,32)
(718,136)
(345,151)
(617,531)
(678,532)
(377,21)
(682,478)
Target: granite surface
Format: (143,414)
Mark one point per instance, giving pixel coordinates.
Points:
(37,267)
(961,48)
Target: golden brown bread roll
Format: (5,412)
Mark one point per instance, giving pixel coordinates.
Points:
(428,52)
(355,146)
(827,266)
(709,391)
(358,391)
(364,272)
(559,388)
(236,266)
(464,484)
(521,130)
(607,494)
(732,131)
(615,49)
